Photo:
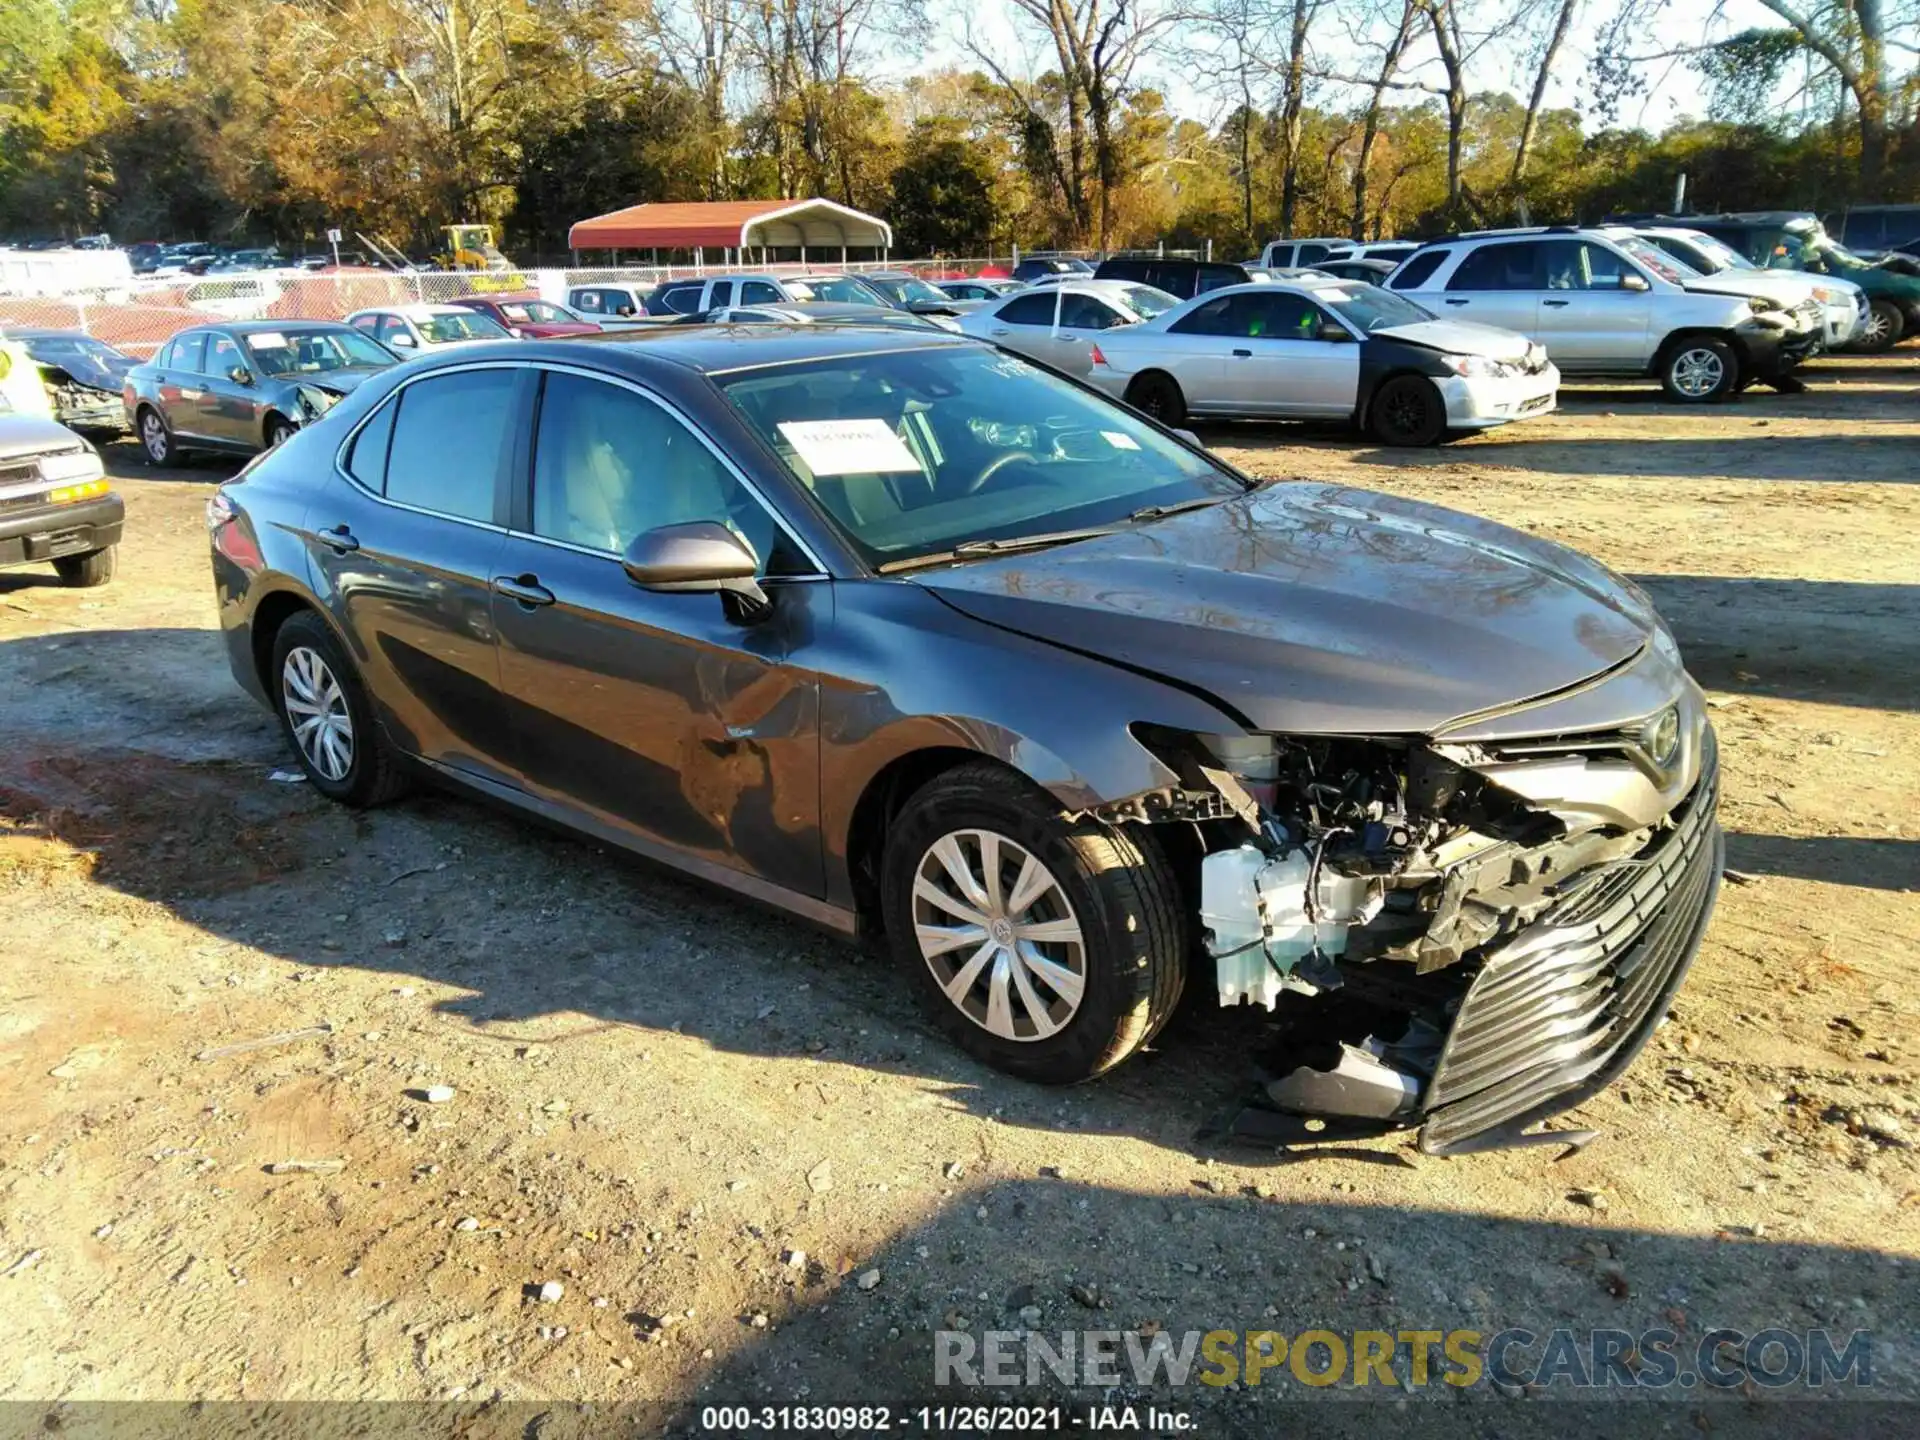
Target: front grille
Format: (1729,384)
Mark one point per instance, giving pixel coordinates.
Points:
(15,475)
(1559,1011)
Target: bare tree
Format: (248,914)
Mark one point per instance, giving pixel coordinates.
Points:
(1529,128)
(1390,58)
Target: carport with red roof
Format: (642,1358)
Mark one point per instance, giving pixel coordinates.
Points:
(743,229)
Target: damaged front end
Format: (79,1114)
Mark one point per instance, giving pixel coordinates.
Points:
(1466,935)
(80,406)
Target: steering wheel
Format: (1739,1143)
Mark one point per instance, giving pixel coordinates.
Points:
(994,466)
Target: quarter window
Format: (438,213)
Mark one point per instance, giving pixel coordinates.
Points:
(451,442)
(367,461)
(610,465)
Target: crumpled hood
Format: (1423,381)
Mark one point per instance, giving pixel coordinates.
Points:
(1461,337)
(22,435)
(90,370)
(1789,290)
(1322,609)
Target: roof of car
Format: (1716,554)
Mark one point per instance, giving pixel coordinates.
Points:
(412,310)
(267,327)
(713,349)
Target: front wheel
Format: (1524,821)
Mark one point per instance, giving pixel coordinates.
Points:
(1159,396)
(328,716)
(1050,949)
(1407,410)
(83,572)
(279,431)
(1699,372)
(1880,329)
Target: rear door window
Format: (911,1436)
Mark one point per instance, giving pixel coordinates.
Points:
(1312,254)
(1212,318)
(1501,267)
(758,292)
(1214,277)
(588,300)
(681,299)
(722,294)
(451,442)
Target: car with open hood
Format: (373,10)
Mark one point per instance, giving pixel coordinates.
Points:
(244,386)
(83,375)
(1318,348)
(926,644)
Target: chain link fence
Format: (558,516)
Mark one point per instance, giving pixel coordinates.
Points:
(141,317)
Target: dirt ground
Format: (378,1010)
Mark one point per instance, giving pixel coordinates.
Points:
(659,1094)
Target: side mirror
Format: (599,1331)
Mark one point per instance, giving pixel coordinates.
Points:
(1191,438)
(403,341)
(240,375)
(626,310)
(700,556)
(1333,331)
(1631,281)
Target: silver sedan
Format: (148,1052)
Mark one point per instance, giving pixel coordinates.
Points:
(1058,324)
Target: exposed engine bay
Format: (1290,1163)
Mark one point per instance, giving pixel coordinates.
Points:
(1363,887)
(81,406)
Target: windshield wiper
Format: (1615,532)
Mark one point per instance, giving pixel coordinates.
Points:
(1006,545)
(1160,512)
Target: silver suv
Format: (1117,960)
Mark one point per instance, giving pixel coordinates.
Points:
(1606,303)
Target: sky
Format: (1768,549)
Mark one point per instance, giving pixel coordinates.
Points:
(1675,94)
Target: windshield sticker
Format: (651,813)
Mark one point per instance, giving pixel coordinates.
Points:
(1010,366)
(1119,441)
(268,340)
(1336,296)
(848,447)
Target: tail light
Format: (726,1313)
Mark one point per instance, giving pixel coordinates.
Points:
(1098,358)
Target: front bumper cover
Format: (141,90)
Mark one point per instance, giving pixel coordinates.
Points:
(32,535)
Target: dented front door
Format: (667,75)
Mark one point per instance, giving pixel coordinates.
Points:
(662,715)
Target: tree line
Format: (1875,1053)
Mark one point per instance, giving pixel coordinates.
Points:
(277,119)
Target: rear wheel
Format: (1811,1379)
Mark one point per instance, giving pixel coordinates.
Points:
(329,718)
(1159,396)
(156,438)
(1881,328)
(1048,948)
(1699,371)
(83,572)
(1407,410)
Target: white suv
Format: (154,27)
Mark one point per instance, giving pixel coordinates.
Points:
(1607,303)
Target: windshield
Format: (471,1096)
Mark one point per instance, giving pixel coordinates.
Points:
(1670,268)
(907,289)
(843,289)
(1146,301)
(308,352)
(534,312)
(913,452)
(465,325)
(1719,254)
(1369,308)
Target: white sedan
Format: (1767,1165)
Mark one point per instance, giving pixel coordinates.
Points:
(1324,349)
(416,329)
(1058,324)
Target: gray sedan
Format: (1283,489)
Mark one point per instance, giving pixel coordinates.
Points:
(245,386)
(904,635)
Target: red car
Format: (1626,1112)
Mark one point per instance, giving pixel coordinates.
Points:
(528,316)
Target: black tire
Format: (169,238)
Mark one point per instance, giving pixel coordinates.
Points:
(375,774)
(279,430)
(1122,895)
(1159,395)
(1407,410)
(155,437)
(83,572)
(1885,324)
(1700,370)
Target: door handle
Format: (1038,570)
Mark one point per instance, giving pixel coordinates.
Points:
(1556,304)
(1243,354)
(526,589)
(1456,302)
(1000,332)
(340,538)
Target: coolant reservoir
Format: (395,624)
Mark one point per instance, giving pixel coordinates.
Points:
(1255,912)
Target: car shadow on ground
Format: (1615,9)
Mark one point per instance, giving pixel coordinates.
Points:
(1049,1256)
(1757,455)
(1869,862)
(1835,642)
